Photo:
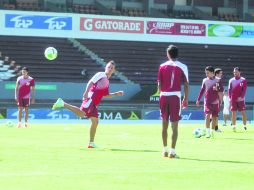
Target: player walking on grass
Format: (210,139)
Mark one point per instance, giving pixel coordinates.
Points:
(171,74)
(236,91)
(211,87)
(22,94)
(218,75)
(226,107)
(97,88)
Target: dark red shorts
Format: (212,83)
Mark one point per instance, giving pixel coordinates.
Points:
(237,106)
(170,107)
(212,109)
(89,108)
(23,102)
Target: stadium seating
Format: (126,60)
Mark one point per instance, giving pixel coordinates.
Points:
(139,61)
(68,67)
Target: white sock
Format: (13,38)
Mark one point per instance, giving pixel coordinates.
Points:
(172,151)
(234,126)
(19,122)
(165,149)
(207,130)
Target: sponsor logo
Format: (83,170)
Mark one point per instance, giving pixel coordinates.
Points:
(111,25)
(220,30)
(169,28)
(38,22)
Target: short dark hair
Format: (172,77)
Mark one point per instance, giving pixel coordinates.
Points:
(237,68)
(209,68)
(217,71)
(112,62)
(172,50)
(26,69)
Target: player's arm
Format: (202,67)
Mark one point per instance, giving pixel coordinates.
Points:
(201,93)
(112,94)
(186,95)
(33,94)
(88,86)
(244,89)
(17,91)
(229,90)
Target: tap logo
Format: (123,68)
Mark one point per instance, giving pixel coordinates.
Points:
(38,22)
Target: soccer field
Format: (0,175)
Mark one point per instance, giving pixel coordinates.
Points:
(54,156)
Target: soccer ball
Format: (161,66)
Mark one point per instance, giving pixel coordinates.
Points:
(9,124)
(197,132)
(50,53)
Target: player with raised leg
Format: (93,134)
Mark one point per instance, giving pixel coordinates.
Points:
(96,89)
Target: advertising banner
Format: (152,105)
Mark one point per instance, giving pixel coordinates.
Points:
(26,21)
(2,113)
(235,31)
(66,114)
(111,25)
(186,115)
(170,28)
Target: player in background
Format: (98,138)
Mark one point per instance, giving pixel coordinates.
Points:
(236,91)
(97,88)
(22,94)
(171,74)
(218,75)
(226,107)
(211,87)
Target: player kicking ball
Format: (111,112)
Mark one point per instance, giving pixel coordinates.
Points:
(97,88)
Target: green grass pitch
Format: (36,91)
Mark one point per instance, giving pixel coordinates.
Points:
(55,157)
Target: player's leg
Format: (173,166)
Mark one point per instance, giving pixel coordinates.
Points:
(233,120)
(164,110)
(175,116)
(244,118)
(19,116)
(74,109)
(165,132)
(242,109)
(26,116)
(61,104)
(207,124)
(225,118)
(94,124)
(174,136)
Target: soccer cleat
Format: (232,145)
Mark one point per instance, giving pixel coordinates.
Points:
(234,129)
(92,145)
(208,135)
(245,128)
(26,125)
(174,156)
(59,104)
(19,125)
(165,154)
(218,131)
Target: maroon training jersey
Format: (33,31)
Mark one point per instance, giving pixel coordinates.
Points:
(100,87)
(171,74)
(24,87)
(237,89)
(211,88)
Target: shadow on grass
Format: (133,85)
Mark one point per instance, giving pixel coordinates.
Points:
(223,161)
(238,139)
(117,150)
(127,150)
